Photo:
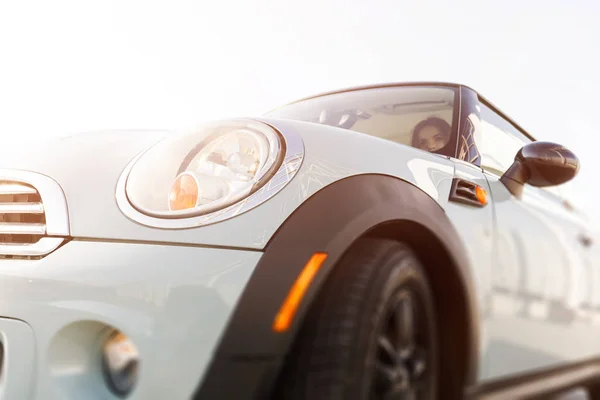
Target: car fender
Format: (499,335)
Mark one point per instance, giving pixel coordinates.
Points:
(330,221)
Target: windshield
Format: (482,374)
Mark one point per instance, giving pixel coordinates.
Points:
(415,116)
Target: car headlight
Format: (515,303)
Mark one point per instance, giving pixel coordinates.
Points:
(206,171)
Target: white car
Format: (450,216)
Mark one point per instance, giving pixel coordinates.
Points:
(382,242)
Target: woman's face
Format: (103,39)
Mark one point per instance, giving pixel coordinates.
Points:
(431,138)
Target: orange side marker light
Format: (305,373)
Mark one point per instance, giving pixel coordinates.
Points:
(481,195)
(288,309)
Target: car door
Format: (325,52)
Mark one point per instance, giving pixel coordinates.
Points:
(539,270)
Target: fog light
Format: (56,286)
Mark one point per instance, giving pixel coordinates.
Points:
(120,362)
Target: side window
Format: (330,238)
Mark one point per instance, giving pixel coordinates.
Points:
(498,142)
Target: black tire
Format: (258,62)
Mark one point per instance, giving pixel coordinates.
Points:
(337,354)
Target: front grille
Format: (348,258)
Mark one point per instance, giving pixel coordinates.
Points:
(33,215)
(22,216)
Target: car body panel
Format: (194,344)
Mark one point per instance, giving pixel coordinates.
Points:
(17,370)
(91,167)
(475,227)
(536,317)
(157,295)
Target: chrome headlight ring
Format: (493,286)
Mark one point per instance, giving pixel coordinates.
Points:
(269,181)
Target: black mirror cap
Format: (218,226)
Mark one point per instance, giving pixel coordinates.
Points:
(547,164)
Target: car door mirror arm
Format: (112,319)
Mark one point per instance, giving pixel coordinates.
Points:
(515,178)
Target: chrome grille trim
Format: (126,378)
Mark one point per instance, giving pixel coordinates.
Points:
(52,195)
(20,228)
(15,188)
(42,247)
(21,208)
(34,218)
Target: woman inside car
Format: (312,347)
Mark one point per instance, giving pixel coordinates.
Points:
(431,134)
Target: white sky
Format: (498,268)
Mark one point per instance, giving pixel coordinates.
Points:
(72,66)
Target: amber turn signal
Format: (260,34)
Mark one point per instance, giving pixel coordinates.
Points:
(481,195)
(184,192)
(288,309)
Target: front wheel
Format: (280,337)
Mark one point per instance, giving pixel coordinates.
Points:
(370,334)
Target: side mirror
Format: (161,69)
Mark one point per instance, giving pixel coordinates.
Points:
(540,164)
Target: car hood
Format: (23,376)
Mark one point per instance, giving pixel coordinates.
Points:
(88,167)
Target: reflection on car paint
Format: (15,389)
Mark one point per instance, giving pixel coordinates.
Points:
(427,175)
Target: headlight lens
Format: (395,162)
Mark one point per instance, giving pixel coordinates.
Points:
(210,169)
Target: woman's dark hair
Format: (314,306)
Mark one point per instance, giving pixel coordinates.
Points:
(439,123)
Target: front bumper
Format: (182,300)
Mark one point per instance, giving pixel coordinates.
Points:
(172,301)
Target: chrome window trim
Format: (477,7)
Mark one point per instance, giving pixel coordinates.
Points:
(292,160)
(52,195)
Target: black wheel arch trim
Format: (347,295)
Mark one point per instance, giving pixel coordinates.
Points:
(329,221)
